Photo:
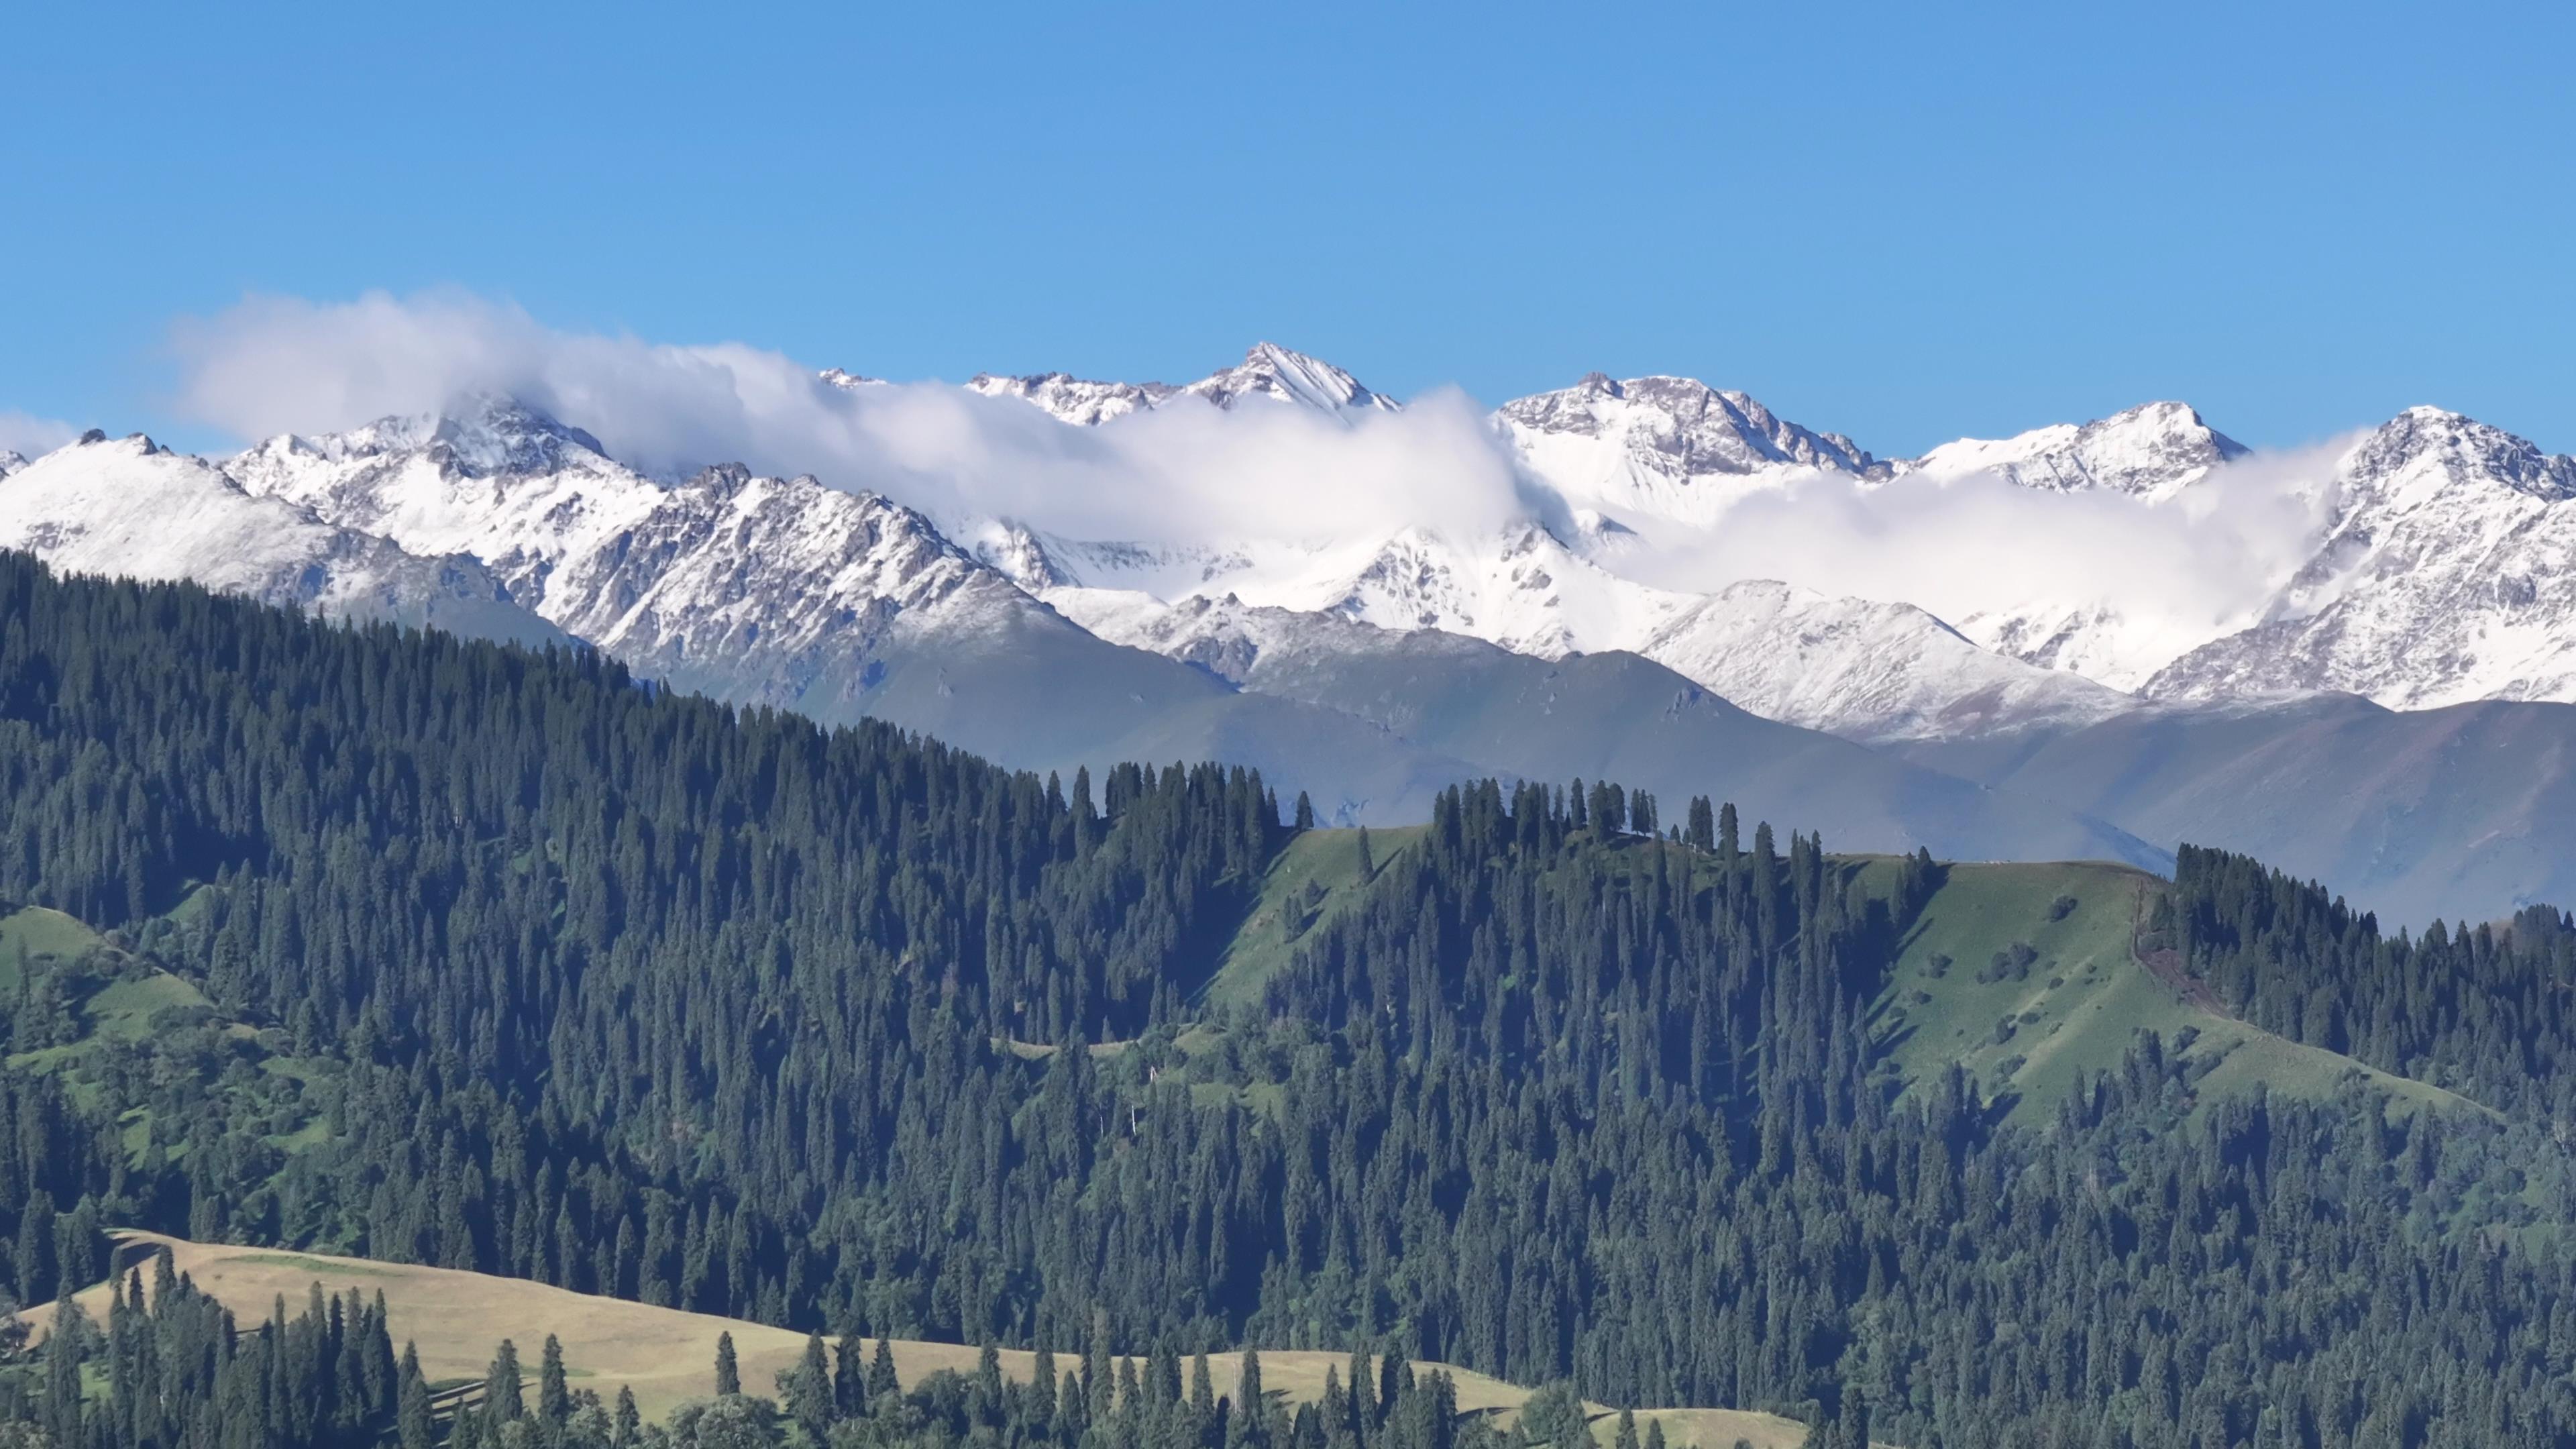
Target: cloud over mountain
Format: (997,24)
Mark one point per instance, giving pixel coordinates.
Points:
(278,365)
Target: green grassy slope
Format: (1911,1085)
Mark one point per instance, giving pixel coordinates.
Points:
(2077,997)
(1314,879)
(112,1000)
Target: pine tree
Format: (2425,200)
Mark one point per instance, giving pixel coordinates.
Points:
(728,1372)
(849,1379)
(503,1390)
(882,1387)
(1249,1426)
(554,1395)
(412,1422)
(809,1392)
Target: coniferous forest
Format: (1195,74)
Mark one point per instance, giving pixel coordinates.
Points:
(851,1033)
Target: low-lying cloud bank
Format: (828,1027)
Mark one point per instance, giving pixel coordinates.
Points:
(273,366)
(1960,547)
(2209,558)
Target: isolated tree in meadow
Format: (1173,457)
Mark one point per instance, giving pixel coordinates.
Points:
(728,1371)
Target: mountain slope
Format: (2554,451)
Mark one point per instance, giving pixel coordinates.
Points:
(666,1356)
(787,593)
(130,507)
(1601,716)
(1865,670)
(2447,573)
(1612,453)
(1268,373)
(2027,975)
(1670,447)
(2462,812)
(572,943)
(2153,451)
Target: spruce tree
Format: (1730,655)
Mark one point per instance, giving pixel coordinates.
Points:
(412,1423)
(882,1387)
(728,1372)
(809,1391)
(849,1378)
(503,1390)
(554,1395)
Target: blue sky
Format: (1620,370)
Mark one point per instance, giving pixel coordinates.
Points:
(1903,222)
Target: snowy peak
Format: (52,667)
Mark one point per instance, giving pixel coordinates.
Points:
(1268,373)
(2447,574)
(1681,427)
(848,381)
(2152,451)
(133,508)
(1071,399)
(1276,374)
(11,461)
(778,591)
(2431,449)
(483,437)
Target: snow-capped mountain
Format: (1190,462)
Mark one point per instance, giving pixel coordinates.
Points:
(2444,571)
(1085,404)
(785,592)
(2429,562)
(131,507)
(1274,374)
(1667,447)
(781,581)
(11,461)
(1863,669)
(2447,574)
(1268,373)
(1654,447)
(2151,452)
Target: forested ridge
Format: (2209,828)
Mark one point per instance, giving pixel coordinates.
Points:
(517,965)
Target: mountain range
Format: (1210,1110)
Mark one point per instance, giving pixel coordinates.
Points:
(2421,643)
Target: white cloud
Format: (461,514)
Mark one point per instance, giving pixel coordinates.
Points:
(2204,561)
(2177,573)
(280,365)
(28,435)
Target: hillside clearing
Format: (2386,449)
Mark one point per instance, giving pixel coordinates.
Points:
(1314,879)
(2024,975)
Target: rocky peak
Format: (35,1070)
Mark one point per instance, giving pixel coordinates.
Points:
(2434,446)
(1275,373)
(1682,427)
(2150,451)
(1080,401)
